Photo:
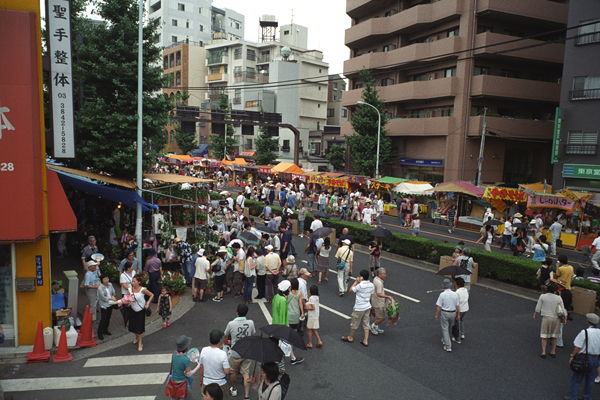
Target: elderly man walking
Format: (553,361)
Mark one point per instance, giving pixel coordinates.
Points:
(378,301)
(587,347)
(448,310)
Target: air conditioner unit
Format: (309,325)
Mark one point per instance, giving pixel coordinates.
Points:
(431,77)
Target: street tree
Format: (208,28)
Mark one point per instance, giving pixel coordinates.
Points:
(266,145)
(220,141)
(363,142)
(337,157)
(107,64)
(187,141)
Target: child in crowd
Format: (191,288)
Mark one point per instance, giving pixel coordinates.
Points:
(456,254)
(164,306)
(312,305)
(415,225)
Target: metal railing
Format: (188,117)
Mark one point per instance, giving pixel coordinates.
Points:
(585,94)
(586,149)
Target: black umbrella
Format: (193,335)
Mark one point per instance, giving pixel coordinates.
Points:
(248,237)
(285,333)
(454,270)
(522,226)
(381,232)
(263,350)
(306,192)
(493,222)
(265,229)
(321,214)
(321,232)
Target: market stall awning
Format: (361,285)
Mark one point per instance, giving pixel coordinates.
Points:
(332,174)
(248,154)
(126,197)
(459,187)
(413,188)
(175,178)
(391,179)
(538,187)
(287,168)
(127,183)
(239,161)
(60,214)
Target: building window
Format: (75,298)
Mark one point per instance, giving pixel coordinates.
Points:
(484,29)
(417,113)
(172,137)
(201,28)
(507,73)
(166,62)
(452,32)
(591,32)
(178,78)
(448,111)
(344,113)
(171,60)
(187,24)
(334,97)
(335,85)
(582,142)
(248,144)
(318,105)
(388,82)
(420,77)
(253,103)
(181,7)
(174,39)
(237,54)
(286,32)
(174,22)
(250,55)
(586,87)
(157,39)
(481,71)
(330,112)
(450,72)
(178,58)
(388,47)
(200,10)
(319,88)
(286,145)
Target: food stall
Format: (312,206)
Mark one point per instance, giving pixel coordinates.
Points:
(285,170)
(414,188)
(551,205)
(461,194)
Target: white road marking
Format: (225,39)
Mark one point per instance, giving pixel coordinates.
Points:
(387,290)
(127,398)
(78,382)
(129,360)
(335,311)
(263,308)
(304,261)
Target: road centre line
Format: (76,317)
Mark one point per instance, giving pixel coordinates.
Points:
(263,308)
(334,311)
(127,398)
(129,360)
(78,382)
(387,290)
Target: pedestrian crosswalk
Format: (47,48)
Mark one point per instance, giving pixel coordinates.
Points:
(140,377)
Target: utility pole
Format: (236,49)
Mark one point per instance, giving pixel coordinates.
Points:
(140,136)
(481,147)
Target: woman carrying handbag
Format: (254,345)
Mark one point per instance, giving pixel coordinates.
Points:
(181,377)
(139,309)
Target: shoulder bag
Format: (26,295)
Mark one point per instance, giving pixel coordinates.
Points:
(582,366)
(561,313)
(176,390)
(242,264)
(342,264)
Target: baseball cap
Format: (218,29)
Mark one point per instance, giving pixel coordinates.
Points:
(303,271)
(593,318)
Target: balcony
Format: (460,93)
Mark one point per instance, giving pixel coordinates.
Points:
(263,59)
(411,20)
(584,94)
(217,59)
(552,52)
(216,77)
(250,77)
(512,128)
(412,52)
(357,8)
(421,90)
(582,149)
(438,126)
(512,88)
(538,12)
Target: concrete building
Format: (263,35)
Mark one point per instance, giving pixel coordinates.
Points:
(437,64)
(280,76)
(184,63)
(194,21)
(577,162)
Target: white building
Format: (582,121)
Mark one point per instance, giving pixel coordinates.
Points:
(194,21)
(258,75)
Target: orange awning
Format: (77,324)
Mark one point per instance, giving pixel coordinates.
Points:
(60,214)
(288,168)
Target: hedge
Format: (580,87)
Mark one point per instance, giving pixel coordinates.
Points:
(502,267)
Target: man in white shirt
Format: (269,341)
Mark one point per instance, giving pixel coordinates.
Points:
(273,265)
(463,302)
(379,211)
(555,229)
(517,218)
(237,329)
(238,276)
(241,200)
(538,226)
(230,202)
(362,307)
(448,310)
(596,256)
(301,187)
(316,224)
(583,351)
(200,281)
(367,212)
(507,234)
(214,365)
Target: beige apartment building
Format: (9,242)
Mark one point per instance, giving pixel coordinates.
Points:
(437,65)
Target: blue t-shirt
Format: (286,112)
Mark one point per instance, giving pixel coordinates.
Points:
(292,201)
(180,364)
(267,211)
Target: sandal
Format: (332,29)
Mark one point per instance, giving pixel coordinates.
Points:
(319,345)
(363,343)
(309,346)
(345,339)
(141,348)
(543,355)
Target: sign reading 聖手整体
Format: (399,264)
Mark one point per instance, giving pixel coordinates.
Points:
(58,17)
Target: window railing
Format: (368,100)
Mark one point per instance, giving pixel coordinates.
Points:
(263,59)
(217,59)
(588,39)
(585,94)
(587,149)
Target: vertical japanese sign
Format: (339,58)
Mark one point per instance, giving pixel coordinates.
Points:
(58,16)
(556,141)
(39,271)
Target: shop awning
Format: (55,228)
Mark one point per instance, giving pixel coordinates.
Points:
(332,174)
(239,161)
(391,179)
(60,214)
(538,187)
(459,187)
(288,168)
(127,183)
(126,197)
(175,178)
(412,188)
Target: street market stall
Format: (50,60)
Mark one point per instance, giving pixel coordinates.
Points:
(464,193)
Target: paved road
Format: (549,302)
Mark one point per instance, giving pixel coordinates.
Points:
(498,359)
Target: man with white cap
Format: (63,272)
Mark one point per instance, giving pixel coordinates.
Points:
(345,257)
(201,277)
(91,283)
(448,310)
(587,347)
(272,264)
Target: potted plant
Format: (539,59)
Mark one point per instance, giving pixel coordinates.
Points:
(210,285)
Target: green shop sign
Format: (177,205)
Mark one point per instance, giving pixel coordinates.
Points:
(556,141)
(581,171)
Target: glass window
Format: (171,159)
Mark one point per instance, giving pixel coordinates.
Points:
(452,32)
(449,72)
(250,55)
(417,113)
(447,111)
(481,71)
(178,58)
(174,39)
(174,22)
(586,87)
(330,112)
(181,7)
(591,30)
(344,113)
(237,54)
(582,142)
(201,28)
(166,62)
(178,78)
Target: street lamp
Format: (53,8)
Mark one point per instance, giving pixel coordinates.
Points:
(378,135)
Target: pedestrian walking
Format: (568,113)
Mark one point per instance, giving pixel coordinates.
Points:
(465,261)
(165,306)
(564,270)
(507,234)
(361,313)
(218,269)
(486,238)
(344,208)
(552,309)
(107,300)
(367,214)
(458,330)
(312,324)
(91,284)
(451,215)
(322,256)
(344,257)
(555,230)
(301,218)
(587,348)
(567,298)
(399,201)
(261,274)
(378,301)
(154,268)
(375,255)
(415,225)
(250,274)
(202,266)
(214,364)
(273,265)
(379,210)
(295,306)
(181,370)
(239,260)
(185,255)
(310,250)
(137,318)
(448,310)
(237,329)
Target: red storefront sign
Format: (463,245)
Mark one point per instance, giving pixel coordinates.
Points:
(264,170)
(302,178)
(337,182)
(20,130)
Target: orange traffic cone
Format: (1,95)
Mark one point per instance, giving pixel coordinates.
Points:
(63,353)
(39,353)
(85,338)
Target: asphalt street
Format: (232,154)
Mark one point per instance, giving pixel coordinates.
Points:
(498,359)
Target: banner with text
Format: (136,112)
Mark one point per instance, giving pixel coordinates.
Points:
(551,202)
(506,194)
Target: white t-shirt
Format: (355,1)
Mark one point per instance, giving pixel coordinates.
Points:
(202,264)
(507,228)
(380,205)
(247,271)
(367,215)
(316,224)
(463,299)
(596,243)
(447,300)
(215,362)
(302,288)
(126,279)
(593,341)
(241,200)
(301,187)
(363,291)
(416,209)
(230,201)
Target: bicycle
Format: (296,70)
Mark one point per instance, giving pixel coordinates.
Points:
(585,259)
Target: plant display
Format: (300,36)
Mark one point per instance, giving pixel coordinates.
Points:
(392,310)
(111,269)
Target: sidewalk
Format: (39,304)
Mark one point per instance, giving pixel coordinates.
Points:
(181,305)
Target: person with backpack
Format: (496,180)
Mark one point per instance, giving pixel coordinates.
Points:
(344,257)
(218,269)
(268,385)
(466,261)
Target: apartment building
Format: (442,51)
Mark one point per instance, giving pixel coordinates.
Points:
(279,76)
(184,64)
(194,21)
(439,64)
(575,151)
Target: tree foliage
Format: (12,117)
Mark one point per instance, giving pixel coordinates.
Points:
(107,63)
(337,157)
(266,145)
(187,141)
(218,142)
(363,143)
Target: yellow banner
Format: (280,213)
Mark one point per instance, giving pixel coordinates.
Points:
(568,194)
